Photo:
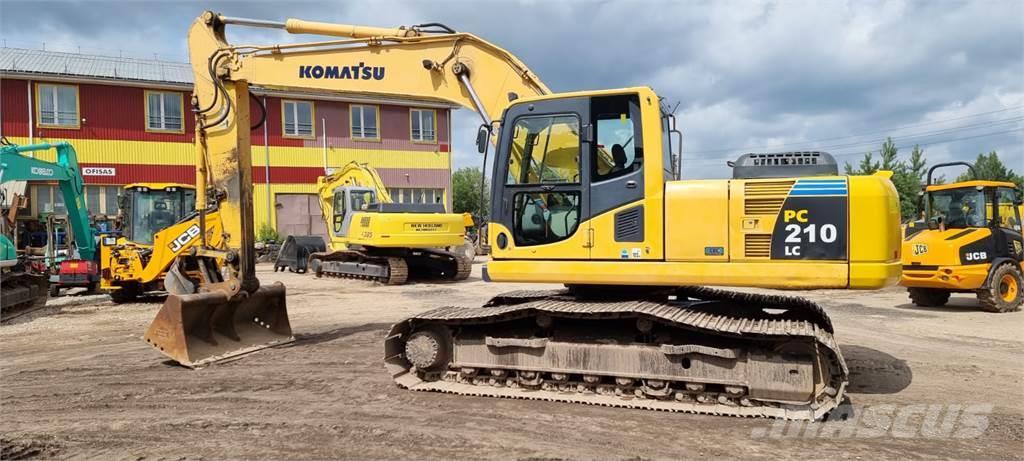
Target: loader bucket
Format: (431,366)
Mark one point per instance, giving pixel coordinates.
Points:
(202,328)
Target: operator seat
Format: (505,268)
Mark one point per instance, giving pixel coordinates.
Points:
(619,157)
(160,218)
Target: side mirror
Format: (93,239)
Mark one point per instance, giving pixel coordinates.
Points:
(483,137)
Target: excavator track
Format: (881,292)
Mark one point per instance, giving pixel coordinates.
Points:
(724,355)
(392,269)
(21,293)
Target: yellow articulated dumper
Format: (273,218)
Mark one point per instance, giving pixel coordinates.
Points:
(970,242)
(586,193)
(376,239)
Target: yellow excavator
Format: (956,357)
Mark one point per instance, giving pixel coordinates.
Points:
(586,193)
(374,238)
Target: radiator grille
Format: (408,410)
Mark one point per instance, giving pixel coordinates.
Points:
(757,245)
(629,225)
(765,198)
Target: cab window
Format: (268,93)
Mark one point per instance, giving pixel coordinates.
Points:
(958,208)
(339,212)
(1009,214)
(545,217)
(618,150)
(545,150)
(360,199)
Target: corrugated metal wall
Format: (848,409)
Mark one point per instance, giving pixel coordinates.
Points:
(113,134)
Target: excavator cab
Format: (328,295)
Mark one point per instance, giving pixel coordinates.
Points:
(347,202)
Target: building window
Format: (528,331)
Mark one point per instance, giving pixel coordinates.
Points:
(164,111)
(48,200)
(58,106)
(424,125)
(102,200)
(297,119)
(365,120)
(416,195)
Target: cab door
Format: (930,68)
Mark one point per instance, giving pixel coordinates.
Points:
(540,202)
(616,178)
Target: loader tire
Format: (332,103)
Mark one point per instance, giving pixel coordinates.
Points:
(1004,291)
(126,294)
(928,297)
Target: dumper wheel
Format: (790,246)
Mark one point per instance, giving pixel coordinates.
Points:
(1004,292)
(928,297)
(54,290)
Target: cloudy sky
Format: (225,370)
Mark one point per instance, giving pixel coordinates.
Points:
(749,76)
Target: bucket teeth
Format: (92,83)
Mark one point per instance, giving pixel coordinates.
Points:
(202,328)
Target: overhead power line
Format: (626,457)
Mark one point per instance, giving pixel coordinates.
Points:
(862,152)
(885,130)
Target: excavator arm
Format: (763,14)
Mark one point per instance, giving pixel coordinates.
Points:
(229,313)
(354,174)
(65,172)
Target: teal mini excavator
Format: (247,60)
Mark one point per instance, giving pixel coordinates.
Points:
(23,289)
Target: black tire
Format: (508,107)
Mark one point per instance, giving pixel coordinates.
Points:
(126,294)
(54,291)
(928,297)
(1004,293)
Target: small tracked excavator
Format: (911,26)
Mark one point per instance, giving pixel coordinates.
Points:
(586,193)
(376,239)
(23,290)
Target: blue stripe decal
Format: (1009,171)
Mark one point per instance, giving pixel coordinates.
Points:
(819,186)
(818,192)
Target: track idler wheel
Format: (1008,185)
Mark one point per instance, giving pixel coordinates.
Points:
(428,349)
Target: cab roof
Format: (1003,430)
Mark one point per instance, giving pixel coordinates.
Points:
(157,185)
(975,183)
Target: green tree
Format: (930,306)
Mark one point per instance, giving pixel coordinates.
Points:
(466,189)
(988,166)
(867,166)
(906,176)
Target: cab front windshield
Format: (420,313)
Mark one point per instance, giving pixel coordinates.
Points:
(156,210)
(957,208)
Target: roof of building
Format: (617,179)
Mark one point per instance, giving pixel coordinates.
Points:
(28,62)
(25,61)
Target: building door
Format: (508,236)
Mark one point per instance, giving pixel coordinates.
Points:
(299,214)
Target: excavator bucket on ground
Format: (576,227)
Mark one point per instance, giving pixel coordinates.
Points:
(198,329)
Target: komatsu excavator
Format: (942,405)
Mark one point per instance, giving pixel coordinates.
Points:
(586,194)
(374,238)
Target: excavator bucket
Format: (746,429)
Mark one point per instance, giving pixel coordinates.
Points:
(198,329)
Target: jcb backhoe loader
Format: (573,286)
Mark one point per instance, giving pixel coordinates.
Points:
(132,261)
(970,243)
(586,194)
(374,238)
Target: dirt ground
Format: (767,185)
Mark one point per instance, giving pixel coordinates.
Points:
(78,382)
